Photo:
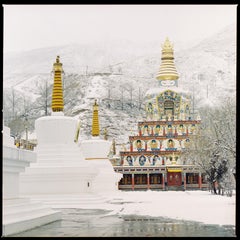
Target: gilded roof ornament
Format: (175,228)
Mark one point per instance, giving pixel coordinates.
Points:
(167,68)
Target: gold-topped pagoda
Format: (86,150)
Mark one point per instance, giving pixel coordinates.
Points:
(57,94)
(167,68)
(95,120)
(154,158)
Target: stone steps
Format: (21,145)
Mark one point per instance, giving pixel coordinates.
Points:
(23,214)
(71,201)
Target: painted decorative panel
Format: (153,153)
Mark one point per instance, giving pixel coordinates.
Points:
(138,145)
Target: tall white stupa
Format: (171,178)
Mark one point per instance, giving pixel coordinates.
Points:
(61,173)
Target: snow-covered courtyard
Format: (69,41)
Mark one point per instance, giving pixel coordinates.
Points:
(199,206)
(144,214)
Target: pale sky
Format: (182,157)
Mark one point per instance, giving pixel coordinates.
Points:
(36,26)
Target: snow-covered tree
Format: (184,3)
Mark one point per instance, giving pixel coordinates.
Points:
(214,148)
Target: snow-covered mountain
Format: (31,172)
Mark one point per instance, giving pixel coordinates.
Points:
(119,73)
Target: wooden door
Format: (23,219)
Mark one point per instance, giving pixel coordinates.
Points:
(174,178)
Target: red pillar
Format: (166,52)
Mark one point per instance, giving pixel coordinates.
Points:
(132,181)
(131,146)
(187,130)
(163,181)
(139,131)
(199,180)
(148,181)
(145,145)
(164,133)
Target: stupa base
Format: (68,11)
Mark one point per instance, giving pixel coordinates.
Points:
(21,214)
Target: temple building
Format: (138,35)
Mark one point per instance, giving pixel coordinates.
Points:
(154,159)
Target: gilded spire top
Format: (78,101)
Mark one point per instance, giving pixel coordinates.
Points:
(95,105)
(167,44)
(57,66)
(167,68)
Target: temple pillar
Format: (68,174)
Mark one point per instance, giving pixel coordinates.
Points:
(163,160)
(132,181)
(139,131)
(184,179)
(163,181)
(148,181)
(164,133)
(131,146)
(124,180)
(199,180)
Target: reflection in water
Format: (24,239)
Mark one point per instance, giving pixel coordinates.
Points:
(95,223)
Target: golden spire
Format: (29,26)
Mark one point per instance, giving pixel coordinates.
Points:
(57,94)
(167,68)
(95,121)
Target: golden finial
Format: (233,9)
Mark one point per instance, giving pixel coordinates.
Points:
(167,45)
(95,121)
(57,94)
(167,68)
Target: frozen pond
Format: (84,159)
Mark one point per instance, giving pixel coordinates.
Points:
(97,223)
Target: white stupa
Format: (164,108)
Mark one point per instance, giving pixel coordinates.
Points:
(96,150)
(61,176)
(19,213)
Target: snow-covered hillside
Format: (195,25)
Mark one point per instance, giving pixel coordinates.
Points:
(119,73)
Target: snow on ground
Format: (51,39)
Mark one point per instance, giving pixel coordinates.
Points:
(199,206)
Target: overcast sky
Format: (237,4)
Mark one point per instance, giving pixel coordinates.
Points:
(35,26)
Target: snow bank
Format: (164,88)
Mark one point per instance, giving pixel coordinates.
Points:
(199,206)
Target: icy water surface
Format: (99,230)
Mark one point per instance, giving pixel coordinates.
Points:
(97,223)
